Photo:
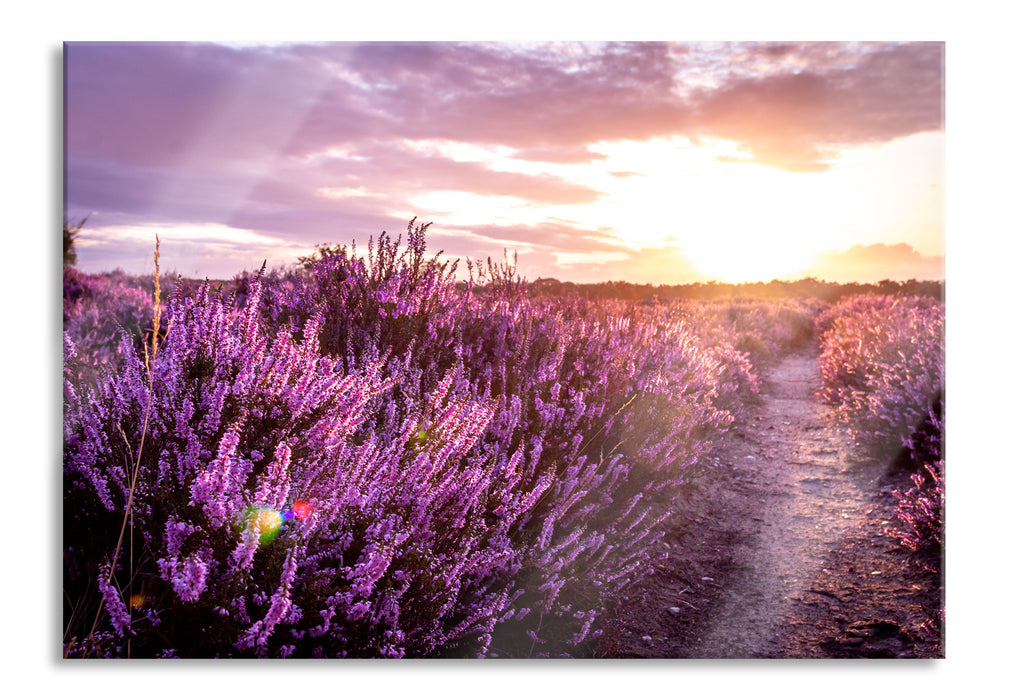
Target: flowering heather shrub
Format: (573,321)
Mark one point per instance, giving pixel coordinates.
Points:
(626,409)
(365,459)
(393,552)
(572,383)
(868,303)
(763,330)
(98,310)
(882,363)
(921,509)
(278,288)
(394,300)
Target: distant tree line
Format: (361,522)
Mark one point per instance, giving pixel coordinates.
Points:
(809,287)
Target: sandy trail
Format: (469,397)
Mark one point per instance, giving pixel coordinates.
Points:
(780,548)
(810,502)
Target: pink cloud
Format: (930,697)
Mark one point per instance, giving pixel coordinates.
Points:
(551,235)
(395,169)
(797,121)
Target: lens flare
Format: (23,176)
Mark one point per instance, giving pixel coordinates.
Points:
(267,521)
(302,509)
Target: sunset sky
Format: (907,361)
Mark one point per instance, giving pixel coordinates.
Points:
(646,162)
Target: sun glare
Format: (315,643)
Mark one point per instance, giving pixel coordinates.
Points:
(734,222)
(741,260)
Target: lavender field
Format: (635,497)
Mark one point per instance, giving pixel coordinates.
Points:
(363,456)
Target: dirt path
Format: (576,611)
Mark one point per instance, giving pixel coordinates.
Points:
(780,550)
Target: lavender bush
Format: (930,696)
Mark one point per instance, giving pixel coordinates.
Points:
(921,509)
(573,382)
(882,363)
(762,330)
(391,554)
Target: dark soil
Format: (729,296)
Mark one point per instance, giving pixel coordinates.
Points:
(779,548)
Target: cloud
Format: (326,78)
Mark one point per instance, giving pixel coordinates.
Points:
(557,154)
(550,102)
(549,236)
(788,104)
(155,104)
(391,167)
(798,120)
(879,261)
